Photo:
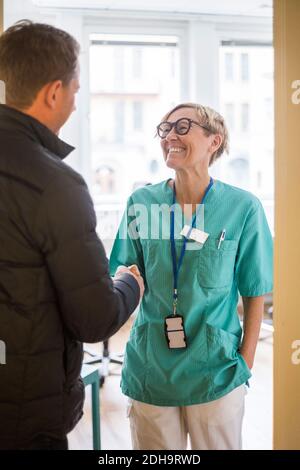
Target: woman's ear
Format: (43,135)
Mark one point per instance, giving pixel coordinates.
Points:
(216,143)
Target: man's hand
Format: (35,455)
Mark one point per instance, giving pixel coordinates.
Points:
(134,271)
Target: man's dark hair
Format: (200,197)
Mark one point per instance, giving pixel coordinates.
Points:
(32,55)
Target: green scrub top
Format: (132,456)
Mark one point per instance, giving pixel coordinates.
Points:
(208,285)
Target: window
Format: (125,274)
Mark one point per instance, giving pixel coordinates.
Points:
(245,117)
(128,97)
(269,108)
(229,115)
(137,55)
(245,67)
(173,63)
(118,67)
(247,104)
(119,122)
(239,170)
(137,115)
(229,66)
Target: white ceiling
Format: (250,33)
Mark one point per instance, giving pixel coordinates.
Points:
(261,8)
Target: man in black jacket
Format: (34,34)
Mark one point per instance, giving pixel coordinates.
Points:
(55,290)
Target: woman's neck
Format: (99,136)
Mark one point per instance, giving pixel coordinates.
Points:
(190,187)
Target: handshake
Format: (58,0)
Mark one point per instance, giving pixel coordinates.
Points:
(134,271)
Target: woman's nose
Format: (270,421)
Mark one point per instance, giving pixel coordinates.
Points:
(172,135)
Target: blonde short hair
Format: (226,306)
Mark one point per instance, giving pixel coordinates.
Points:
(211,119)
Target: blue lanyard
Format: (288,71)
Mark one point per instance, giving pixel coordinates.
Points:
(177,267)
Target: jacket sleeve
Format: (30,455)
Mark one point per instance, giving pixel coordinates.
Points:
(93,307)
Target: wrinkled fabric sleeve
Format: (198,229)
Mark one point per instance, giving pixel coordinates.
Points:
(254,263)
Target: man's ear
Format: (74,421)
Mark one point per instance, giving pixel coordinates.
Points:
(52,92)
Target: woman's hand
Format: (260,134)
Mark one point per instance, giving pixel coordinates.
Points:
(253,314)
(248,357)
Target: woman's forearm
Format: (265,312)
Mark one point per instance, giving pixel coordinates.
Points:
(253,313)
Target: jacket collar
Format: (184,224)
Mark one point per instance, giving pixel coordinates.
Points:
(14,120)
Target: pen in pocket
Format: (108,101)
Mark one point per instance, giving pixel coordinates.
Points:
(222,238)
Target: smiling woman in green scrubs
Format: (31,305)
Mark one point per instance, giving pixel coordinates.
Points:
(198,242)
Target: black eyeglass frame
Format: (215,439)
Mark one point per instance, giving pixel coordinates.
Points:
(174,124)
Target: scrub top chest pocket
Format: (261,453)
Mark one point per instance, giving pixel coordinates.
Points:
(216,266)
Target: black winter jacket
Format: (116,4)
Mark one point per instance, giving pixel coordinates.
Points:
(55,289)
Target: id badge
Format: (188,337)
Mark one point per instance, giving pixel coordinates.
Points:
(196,234)
(174,331)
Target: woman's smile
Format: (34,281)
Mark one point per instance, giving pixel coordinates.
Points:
(176,150)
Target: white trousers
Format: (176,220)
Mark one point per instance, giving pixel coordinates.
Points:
(216,425)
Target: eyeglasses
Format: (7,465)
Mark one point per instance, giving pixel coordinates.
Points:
(181,126)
